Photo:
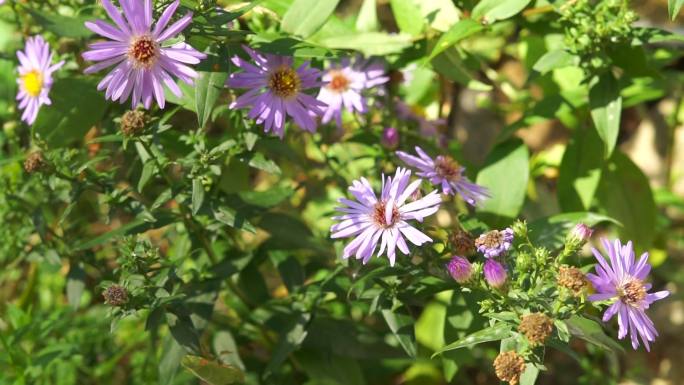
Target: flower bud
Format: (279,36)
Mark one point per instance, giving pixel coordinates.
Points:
(460,269)
(581,233)
(509,366)
(390,138)
(35,162)
(519,228)
(115,295)
(495,273)
(536,327)
(133,123)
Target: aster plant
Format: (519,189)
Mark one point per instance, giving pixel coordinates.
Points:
(142,52)
(276,90)
(35,77)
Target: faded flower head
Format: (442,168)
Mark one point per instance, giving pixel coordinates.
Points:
(390,138)
(383,219)
(620,279)
(460,269)
(344,84)
(133,122)
(494,243)
(276,91)
(495,273)
(35,77)
(462,242)
(143,60)
(536,327)
(115,295)
(572,279)
(445,172)
(34,162)
(509,366)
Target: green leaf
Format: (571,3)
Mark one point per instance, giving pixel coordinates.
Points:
(63,26)
(625,194)
(227,350)
(75,285)
(197,195)
(606,105)
(493,10)
(172,353)
(305,17)
(557,58)
(459,31)
(496,332)
(207,90)
(673,7)
(370,43)
(580,170)
(259,161)
(402,327)
(148,170)
(368,17)
(77,105)
(183,331)
(550,231)
(290,341)
(137,226)
(268,198)
(591,332)
(407,15)
(212,372)
(529,376)
(230,217)
(505,174)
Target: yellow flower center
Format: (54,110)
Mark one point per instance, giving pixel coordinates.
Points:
(632,292)
(284,82)
(33,83)
(143,51)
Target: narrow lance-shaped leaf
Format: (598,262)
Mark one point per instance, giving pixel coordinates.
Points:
(580,170)
(493,10)
(496,332)
(673,7)
(606,105)
(401,326)
(207,89)
(197,195)
(456,33)
(407,15)
(304,17)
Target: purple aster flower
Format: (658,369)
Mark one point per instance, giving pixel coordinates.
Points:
(344,84)
(495,273)
(383,219)
(494,243)
(143,62)
(445,171)
(275,91)
(460,269)
(622,280)
(35,77)
(390,137)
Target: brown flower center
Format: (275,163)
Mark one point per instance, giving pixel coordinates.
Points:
(490,240)
(632,292)
(339,82)
(447,168)
(284,82)
(379,215)
(143,51)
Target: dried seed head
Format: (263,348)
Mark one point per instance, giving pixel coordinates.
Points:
(509,366)
(537,327)
(572,278)
(462,242)
(35,162)
(115,295)
(133,122)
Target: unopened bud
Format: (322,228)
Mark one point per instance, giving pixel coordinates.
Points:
(390,138)
(581,233)
(495,274)
(460,269)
